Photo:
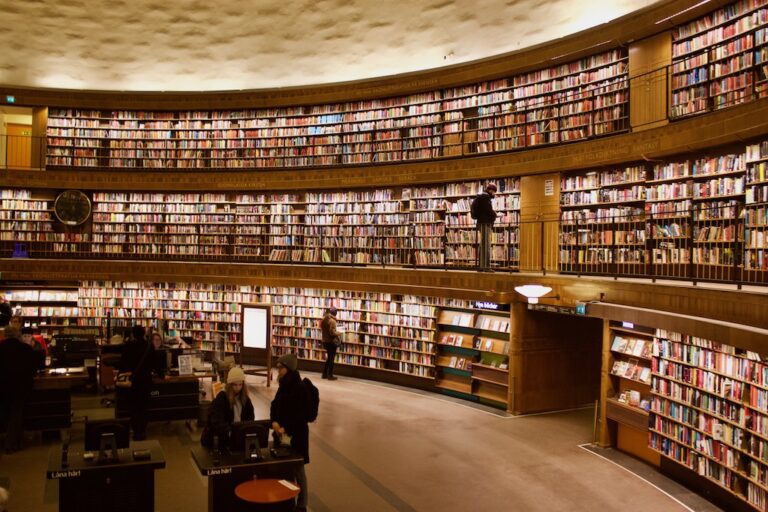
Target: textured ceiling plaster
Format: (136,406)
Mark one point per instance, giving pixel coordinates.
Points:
(195,45)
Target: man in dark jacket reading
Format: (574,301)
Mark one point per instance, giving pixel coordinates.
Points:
(482,212)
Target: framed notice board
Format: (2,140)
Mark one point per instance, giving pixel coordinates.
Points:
(256,329)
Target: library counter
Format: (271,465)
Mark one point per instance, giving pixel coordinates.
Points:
(171,398)
(230,469)
(94,486)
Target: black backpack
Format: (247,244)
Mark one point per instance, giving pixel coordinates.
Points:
(313,400)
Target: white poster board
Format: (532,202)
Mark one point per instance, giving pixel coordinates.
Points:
(255,327)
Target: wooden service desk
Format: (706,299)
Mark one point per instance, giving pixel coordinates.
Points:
(50,405)
(93,486)
(232,470)
(172,398)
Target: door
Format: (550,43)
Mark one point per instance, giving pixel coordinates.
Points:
(19,146)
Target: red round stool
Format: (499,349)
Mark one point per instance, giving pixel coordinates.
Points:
(267,494)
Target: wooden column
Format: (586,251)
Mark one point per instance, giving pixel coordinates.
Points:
(539,215)
(39,143)
(606,388)
(649,81)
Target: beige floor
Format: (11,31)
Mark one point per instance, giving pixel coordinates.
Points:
(378,448)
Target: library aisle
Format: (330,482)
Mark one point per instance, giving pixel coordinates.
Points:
(382,448)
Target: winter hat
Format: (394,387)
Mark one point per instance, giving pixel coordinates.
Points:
(289,361)
(235,375)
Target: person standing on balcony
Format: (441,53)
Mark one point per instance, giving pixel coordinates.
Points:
(482,212)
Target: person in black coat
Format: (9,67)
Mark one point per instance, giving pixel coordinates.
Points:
(18,366)
(289,414)
(231,405)
(138,357)
(482,212)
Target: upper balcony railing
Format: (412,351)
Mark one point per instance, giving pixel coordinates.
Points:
(694,245)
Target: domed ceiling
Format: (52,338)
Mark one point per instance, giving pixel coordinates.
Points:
(199,45)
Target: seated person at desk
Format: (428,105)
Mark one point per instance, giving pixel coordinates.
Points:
(18,366)
(35,341)
(232,405)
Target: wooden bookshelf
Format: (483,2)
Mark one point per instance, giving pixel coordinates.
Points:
(718,60)
(709,412)
(357,227)
(572,101)
(47,310)
(472,358)
(382,331)
(427,216)
(602,221)
(626,390)
(756,213)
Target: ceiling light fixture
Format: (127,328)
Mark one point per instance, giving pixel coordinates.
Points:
(684,11)
(534,292)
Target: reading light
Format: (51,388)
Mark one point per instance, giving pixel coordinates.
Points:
(533,292)
(683,11)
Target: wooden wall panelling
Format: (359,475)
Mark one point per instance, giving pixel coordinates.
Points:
(557,362)
(607,432)
(539,213)
(733,125)
(39,145)
(517,316)
(649,89)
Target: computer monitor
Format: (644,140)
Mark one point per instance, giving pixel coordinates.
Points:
(107,436)
(246,433)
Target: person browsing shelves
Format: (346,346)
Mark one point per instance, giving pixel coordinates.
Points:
(231,405)
(331,341)
(482,212)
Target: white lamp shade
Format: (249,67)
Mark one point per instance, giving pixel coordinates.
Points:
(533,291)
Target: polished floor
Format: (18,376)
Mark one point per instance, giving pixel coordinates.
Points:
(382,448)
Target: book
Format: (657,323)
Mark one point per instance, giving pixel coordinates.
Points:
(630,348)
(634,398)
(453,362)
(459,340)
(645,375)
(619,344)
(488,345)
(630,368)
(638,348)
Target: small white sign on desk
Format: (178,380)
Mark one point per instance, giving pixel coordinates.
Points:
(185,365)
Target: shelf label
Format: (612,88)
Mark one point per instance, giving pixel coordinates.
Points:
(549,187)
(491,306)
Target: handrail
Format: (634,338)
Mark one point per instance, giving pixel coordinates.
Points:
(701,243)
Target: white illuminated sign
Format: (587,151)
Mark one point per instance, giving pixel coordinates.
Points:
(255,324)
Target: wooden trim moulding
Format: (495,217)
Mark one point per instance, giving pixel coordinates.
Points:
(742,336)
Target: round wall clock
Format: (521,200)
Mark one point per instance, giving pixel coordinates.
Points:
(72,207)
